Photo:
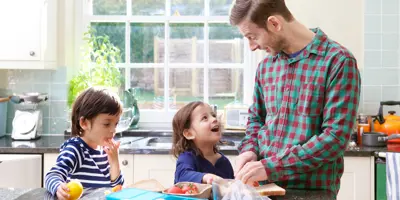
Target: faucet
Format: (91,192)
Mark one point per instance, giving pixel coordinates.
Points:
(214,107)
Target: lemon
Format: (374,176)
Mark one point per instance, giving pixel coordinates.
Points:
(75,189)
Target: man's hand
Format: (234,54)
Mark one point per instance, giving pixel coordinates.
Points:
(252,171)
(244,158)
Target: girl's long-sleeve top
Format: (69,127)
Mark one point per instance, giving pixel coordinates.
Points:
(79,161)
(191,168)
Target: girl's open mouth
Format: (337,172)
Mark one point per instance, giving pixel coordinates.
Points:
(215,129)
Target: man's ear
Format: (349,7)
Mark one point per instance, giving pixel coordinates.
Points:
(274,23)
(188,134)
(85,124)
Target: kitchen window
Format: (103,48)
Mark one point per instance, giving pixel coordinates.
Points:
(175,51)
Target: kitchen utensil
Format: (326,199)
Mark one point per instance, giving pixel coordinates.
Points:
(28,119)
(389,124)
(16,99)
(235,116)
(376,139)
(33,97)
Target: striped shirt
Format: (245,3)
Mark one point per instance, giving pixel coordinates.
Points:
(303,113)
(79,161)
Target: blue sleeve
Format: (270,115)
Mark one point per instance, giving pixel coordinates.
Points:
(119,181)
(186,170)
(67,162)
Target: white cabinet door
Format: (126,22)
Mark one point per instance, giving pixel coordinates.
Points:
(49,160)
(20,171)
(159,167)
(357,182)
(20,37)
(127,167)
(125,163)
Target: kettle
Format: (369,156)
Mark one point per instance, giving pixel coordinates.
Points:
(389,124)
(130,101)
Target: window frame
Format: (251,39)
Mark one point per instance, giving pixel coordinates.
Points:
(162,118)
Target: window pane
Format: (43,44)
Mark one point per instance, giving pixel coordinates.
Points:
(148,8)
(186,43)
(122,86)
(185,85)
(226,44)
(150,87)
(107,7)
(116,33)
(220,7)
(145,43)
(187,7)
(225,86)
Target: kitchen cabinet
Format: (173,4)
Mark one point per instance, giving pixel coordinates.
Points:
(159,167)
(29,34)
(357,182)
(126,165)
(20,170)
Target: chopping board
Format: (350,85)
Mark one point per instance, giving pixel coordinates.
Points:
(270,189)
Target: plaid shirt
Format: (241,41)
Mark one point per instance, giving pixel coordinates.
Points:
(303,112)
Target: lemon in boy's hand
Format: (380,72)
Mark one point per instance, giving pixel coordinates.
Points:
(75,189)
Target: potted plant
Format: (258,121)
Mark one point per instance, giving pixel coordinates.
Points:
(99,66)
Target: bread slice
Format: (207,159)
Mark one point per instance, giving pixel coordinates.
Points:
(270,189)
(150,184)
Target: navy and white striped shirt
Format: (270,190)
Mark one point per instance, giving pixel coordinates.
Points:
(79,161)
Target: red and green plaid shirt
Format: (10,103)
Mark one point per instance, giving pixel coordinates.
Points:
(303,112)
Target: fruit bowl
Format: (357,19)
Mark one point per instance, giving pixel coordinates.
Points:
(203,190)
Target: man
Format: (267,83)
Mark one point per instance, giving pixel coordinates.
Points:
(305,100)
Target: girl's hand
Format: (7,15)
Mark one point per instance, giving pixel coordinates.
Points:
(209,178)
(111,149)
(62,192)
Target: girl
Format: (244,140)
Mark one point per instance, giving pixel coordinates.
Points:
(196,132)
(91,155)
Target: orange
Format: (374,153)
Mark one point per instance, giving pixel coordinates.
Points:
(75,189)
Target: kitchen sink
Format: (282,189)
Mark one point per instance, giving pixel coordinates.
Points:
(160,142)
(127,142)
(166,143)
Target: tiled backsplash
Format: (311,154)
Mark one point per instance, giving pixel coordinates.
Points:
(380,75)
(52,82)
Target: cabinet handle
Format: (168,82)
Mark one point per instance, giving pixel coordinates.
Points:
(32,53)
(124,162)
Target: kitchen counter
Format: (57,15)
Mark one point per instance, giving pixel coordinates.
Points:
(41,193)
(135,143)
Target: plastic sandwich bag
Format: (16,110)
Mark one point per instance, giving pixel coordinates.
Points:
(235,190)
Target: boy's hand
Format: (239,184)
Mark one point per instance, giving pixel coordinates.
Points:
(111,149)
(62,192)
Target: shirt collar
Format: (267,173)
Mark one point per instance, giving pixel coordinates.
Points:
(316,46)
